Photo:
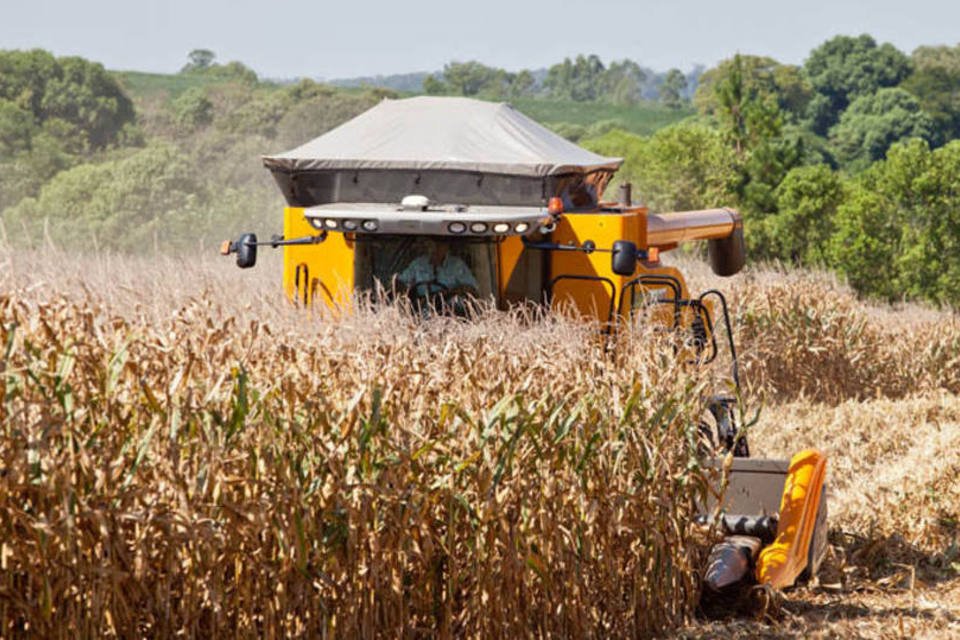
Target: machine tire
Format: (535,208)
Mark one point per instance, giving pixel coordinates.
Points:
(713,441)
(708,440)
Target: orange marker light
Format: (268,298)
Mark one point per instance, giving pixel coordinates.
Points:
(653,254)
(555,206)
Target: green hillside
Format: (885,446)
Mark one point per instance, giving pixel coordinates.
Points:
(643,118)
(141,85)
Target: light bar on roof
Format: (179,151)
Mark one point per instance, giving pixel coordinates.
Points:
(458,220)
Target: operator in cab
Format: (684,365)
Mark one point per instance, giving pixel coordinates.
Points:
(438,271)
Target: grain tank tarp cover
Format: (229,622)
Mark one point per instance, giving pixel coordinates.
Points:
(452,150)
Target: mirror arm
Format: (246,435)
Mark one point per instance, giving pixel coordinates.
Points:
(279,241)
(587,247)
(553,246)
(233,246)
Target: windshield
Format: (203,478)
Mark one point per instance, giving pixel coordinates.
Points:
(438,269)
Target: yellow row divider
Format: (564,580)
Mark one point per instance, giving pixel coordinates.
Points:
(781,562)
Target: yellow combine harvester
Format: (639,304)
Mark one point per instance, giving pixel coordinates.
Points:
(444,200)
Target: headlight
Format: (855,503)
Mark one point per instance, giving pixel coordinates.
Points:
(370,225)
(478,227)
(456,227)
(501,227)
(316,223)
(350,225)
(521,227)
(330,223)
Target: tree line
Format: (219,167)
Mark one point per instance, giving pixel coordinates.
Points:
(584,78)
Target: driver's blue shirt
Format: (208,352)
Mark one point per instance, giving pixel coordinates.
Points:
(452,273)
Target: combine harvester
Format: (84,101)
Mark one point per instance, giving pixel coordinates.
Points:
(444,200)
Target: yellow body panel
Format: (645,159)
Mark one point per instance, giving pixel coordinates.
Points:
(784,560)
(591,298)
(508,257)
(320,271)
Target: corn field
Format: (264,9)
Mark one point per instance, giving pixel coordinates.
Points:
(212,474)
(183,453)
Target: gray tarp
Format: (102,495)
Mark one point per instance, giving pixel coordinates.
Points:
(445,134)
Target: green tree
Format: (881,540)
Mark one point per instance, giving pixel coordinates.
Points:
(22,175)
(120,202)
(741,96)
(256,113)
(17,129)
(622,82)
(307,89)
(874,122)
(522,84)
(307,119)
(74,91)
(844,68)
(672,88)
(199,60)
(470,78)
(434,87)
(762,77)
(233,72)
(864,244)
(800,231)
(746,110)
(24,76)
(765,167)
(192,109)
(475,79)
(930,256)
(936,84)
(898,233)
(580,79)
(203,62)
(681,167)
(90,98)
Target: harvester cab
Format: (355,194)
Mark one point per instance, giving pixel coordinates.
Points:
(445,200)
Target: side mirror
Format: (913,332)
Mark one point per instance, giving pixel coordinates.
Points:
(728,255)
(247,250)
(623,258)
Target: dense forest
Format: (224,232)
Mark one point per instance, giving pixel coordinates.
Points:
(849,161)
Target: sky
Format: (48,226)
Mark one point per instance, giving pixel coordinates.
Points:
(346,38)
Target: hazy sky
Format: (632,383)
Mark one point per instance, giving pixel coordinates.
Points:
(288,38)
